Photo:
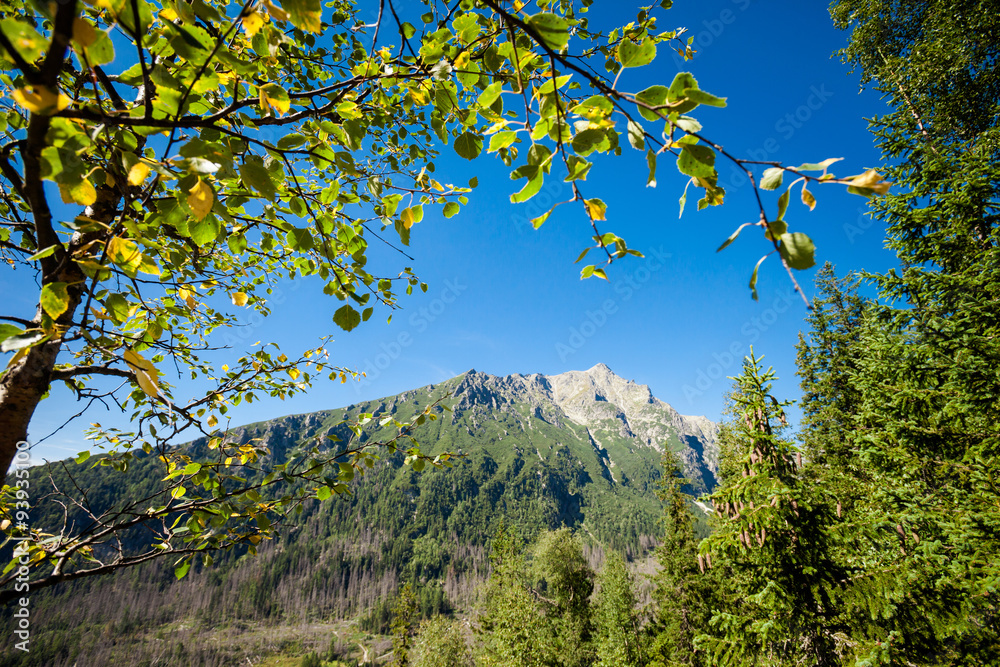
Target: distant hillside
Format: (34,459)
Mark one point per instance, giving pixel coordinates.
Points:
(580,449)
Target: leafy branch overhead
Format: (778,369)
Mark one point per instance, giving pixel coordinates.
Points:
(165,163)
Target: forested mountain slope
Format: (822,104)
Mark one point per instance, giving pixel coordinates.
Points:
(580,449)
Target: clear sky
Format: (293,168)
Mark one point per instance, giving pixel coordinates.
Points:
(504,298)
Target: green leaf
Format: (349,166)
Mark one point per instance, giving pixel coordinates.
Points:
(697,161)
(41,254)
(753,278)
(783,203)
(346,317)
(631,54)
(818,166)
(490,94)
(451,209)
(775,229)
(594,107)
(535,179)
(181,570)
(588,141)
(771,179)
(28,42)
(323,492)
(636,135)
(191,469)
(55,299)
(8,330)
(651,163)
(204,231)
(578,168)
(552,28)
(469,145)
(733,236)
(346,472)
(82,457)
(117,306)
(255,175)
(701,97)
(797,250)
(653,96)
(501,140)
(299,239)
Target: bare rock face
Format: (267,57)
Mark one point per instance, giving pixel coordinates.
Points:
(610,408)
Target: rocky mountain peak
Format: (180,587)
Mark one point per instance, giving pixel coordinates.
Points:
(605,404)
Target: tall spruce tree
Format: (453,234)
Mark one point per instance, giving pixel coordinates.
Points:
(772,542)
(405,615)
(921,431)
(684,592)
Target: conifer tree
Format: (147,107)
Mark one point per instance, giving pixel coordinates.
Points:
(509,625)
(562,581)
(771,542)
(922,429)
(617,641)
(683,592)
(404,621)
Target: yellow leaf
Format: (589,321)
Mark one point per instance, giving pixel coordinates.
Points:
(82,193)
(807,198)
(239,298)
(871,180)
(41,100)
(125,253)
(294,373)
(212,421)
(596,209)
(146,374)
(138,173)
(187,297)
(419,96)
(200,199)
(275,11)
(254,538)
(84,32)
(273,96)
(168,14)
(253,22)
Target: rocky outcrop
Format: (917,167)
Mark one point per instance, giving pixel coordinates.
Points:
(602,403)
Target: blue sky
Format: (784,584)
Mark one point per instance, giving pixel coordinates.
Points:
(504,298)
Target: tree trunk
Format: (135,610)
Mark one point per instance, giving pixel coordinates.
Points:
(21,388)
